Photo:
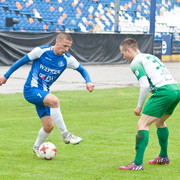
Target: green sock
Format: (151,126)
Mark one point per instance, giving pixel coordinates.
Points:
(163,134)
(141,143)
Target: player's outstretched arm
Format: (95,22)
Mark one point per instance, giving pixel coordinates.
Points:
(17,65)
(89,85)
(2,80)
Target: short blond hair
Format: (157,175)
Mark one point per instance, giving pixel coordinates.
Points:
(63,35)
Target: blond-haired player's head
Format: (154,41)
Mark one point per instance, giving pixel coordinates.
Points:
(63,43)
(63,35)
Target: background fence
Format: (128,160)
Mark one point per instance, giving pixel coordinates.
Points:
(87,48)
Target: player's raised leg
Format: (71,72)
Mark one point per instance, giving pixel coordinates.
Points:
(53,102)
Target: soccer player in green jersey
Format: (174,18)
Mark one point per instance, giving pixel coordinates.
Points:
(152,76)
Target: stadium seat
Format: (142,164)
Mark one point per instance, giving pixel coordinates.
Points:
(62,15)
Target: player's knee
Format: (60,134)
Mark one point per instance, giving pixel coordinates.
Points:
(142,126)
(145,122)
(48,123)
(54,103)
(51,101)
(48,128)
(160,124)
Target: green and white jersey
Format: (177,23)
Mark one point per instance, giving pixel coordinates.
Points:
(151,67)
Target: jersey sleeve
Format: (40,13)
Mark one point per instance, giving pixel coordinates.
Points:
(144,89)
(35,53)
(72,63)
(84,73)
(138,69)
(140,73)
(17,65)
(142,96)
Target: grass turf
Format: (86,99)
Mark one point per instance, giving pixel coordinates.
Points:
(105,121)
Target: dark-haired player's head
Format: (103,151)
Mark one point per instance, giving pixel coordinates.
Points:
(129,49)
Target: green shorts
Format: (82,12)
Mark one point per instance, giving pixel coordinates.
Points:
(163,101)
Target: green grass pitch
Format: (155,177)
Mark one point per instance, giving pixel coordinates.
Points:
(105,121)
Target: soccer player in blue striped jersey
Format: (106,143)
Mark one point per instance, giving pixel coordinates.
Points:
(48,63)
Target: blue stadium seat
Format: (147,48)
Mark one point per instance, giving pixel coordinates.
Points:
(102,11)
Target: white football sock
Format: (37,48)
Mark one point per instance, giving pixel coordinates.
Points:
(58,119)
(42,136)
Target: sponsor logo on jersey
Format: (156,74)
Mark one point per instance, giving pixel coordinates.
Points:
(49,78)
(49,70)
(46,78)
(42,76)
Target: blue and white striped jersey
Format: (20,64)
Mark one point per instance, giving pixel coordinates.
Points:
(47,67)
